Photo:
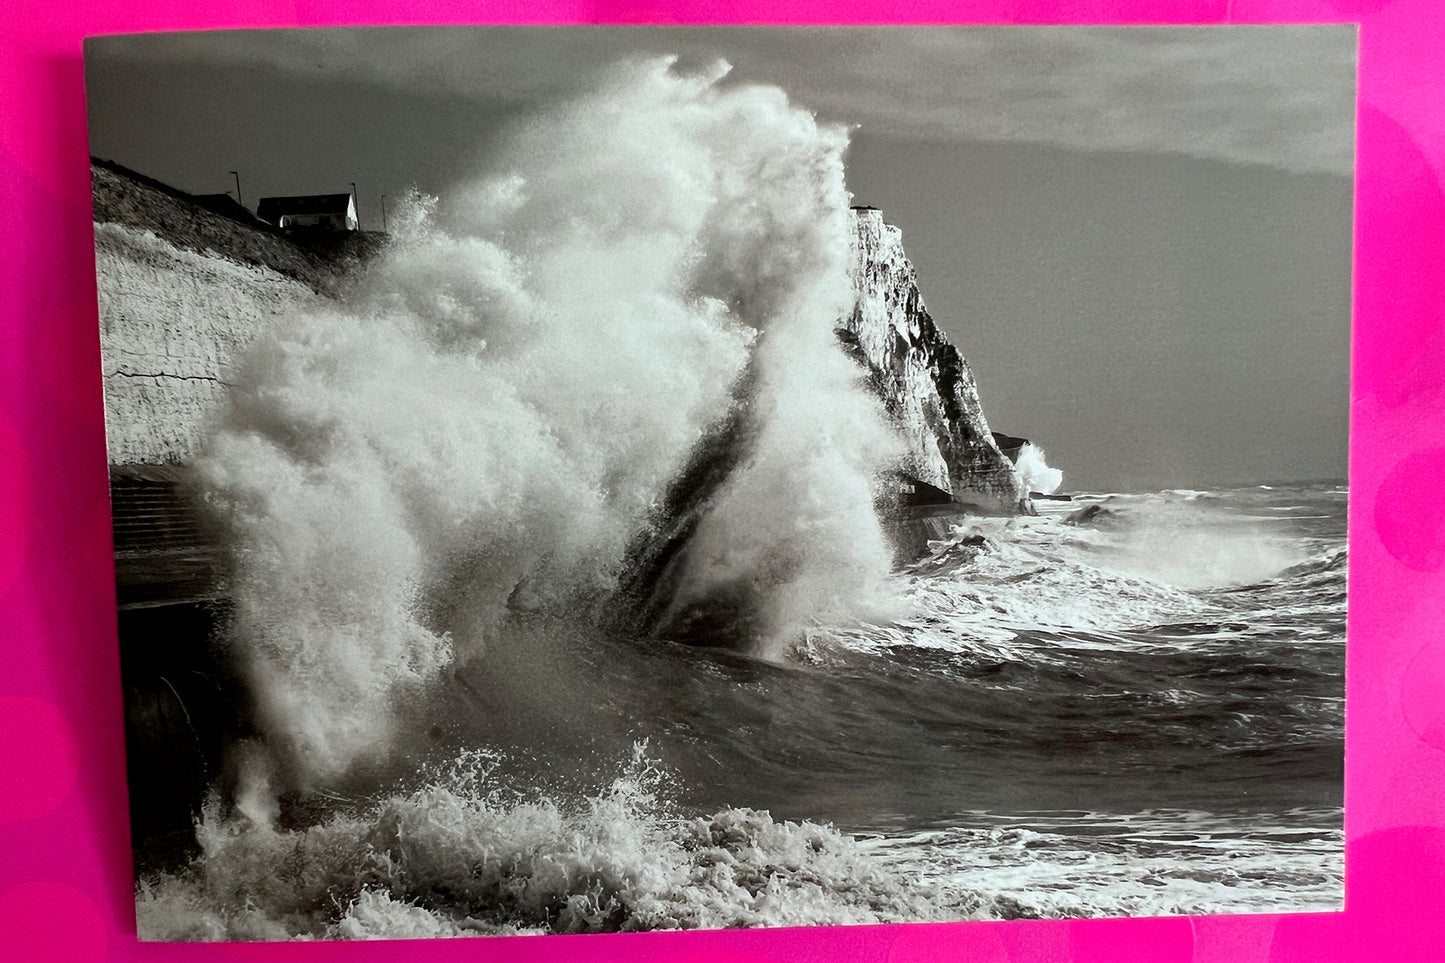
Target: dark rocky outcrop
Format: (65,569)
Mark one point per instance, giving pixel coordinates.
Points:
(1010,445)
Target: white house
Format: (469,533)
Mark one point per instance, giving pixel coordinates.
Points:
(330,212)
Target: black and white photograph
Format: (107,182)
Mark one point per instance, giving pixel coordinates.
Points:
(604,479)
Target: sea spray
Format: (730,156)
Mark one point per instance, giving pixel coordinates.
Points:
(1034,473)
(792,536)
(1194,543)
(489,417)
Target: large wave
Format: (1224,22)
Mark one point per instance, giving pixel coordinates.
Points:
(466,854)
(491,415)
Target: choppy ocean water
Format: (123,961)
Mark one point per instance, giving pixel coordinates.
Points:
(1130,705)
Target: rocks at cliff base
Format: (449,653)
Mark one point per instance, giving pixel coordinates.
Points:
(1010,445)
(1090,515)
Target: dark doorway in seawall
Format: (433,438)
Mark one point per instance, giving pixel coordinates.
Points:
(180,716)
(182,703)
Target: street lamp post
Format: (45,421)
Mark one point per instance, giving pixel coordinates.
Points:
(238,189)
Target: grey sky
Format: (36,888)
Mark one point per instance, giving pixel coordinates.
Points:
(1139,237)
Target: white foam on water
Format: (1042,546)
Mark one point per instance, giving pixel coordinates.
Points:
(1143,561)
(1159,863)
(465,855)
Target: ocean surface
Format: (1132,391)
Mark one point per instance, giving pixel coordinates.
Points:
(1132,704)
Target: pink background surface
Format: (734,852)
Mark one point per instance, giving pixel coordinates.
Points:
(65,872)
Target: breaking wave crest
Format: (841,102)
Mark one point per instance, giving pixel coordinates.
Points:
(465,854)
(1034,473)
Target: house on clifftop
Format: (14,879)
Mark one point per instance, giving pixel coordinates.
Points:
(327,212)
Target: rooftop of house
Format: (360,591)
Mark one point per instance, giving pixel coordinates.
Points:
(271,208)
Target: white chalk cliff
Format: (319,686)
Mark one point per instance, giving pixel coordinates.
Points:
(925,383)
(173,319)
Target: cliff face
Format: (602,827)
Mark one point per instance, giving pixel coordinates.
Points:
(925,384)
(182,289)
(176,308)
(171,323)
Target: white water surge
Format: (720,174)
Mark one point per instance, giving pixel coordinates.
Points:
(486,422)
(1034,473)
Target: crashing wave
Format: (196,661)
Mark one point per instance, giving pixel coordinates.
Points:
(464,855)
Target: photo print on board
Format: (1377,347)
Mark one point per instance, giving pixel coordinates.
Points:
(543,502)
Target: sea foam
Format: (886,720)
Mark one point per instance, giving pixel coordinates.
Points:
(466,855)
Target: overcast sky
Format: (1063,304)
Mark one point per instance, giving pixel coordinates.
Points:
(1139,237)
